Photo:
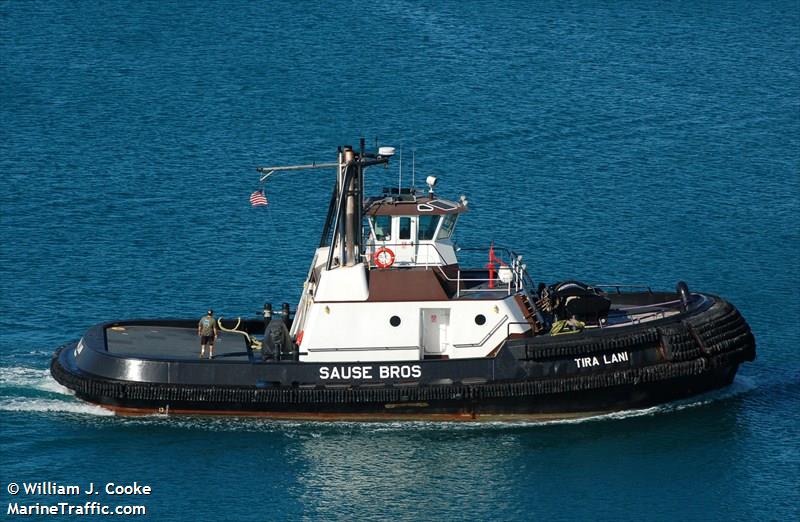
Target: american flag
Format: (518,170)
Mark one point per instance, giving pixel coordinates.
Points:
(258,199)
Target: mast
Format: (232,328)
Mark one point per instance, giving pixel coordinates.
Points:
(351,173)
(342,231)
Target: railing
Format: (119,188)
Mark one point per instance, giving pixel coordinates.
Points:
(302,307)
(521,324)
(485,337)
(510,265)
(413,257)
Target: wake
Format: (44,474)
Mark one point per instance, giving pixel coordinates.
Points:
(25,389)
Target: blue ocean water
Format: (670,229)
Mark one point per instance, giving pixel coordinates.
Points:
(633,141)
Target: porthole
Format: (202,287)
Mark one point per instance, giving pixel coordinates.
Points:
(480,319)
(394,321)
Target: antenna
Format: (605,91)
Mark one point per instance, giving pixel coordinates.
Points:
(413,168)
(400,181)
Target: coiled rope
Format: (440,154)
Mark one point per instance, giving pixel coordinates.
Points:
(251,341)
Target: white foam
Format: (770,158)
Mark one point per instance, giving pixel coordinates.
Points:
(52,406)
(33,378)
(47,353)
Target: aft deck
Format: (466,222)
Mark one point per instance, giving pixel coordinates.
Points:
(171,342)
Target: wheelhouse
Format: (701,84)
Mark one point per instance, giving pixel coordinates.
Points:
(408,230)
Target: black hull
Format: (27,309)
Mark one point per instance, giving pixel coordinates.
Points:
(543,377)
(549,406)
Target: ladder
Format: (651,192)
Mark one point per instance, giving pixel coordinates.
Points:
(529,312)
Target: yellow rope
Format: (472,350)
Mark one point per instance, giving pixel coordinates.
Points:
(567,326)
(254,343)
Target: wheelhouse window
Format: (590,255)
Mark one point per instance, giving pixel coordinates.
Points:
(382,227)
(405,228)
(448,224)
(426,227)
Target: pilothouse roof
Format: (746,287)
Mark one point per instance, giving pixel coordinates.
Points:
(411,205)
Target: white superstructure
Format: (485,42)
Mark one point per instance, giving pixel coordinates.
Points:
(386,283)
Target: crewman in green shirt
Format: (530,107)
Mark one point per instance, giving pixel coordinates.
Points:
(207,331)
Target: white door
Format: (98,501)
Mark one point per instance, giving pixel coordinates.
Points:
(406,234)
(435,322)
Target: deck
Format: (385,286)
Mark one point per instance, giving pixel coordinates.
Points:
(170,342)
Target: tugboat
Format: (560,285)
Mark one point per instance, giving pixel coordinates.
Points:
(392,324)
